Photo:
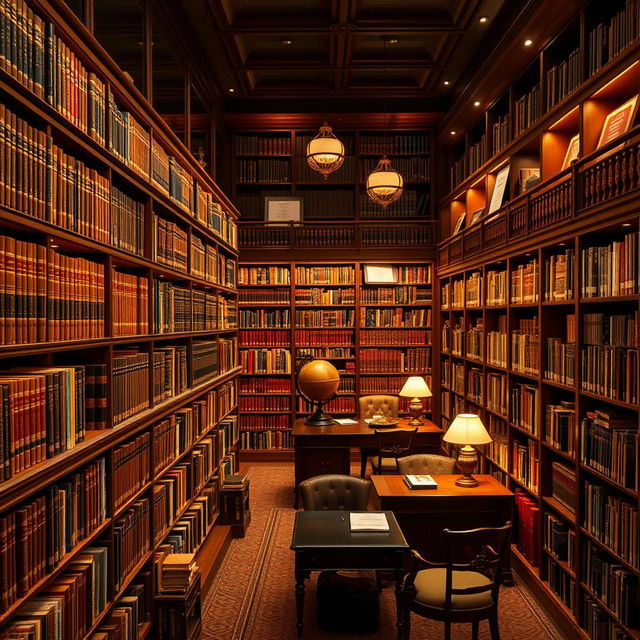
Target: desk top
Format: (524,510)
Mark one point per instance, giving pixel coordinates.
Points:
(361,428)
(327,529)
(393,486)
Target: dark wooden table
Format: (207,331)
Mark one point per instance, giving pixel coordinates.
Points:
(323,541)
(423,514)
(320,450)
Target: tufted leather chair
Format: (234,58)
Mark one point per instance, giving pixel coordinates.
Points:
(387,406)
(426,463)
(370,406)
(335,492)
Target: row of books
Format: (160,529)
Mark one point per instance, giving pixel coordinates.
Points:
(395,317)
(170,243)
(475,340)
(48,296)
(497,393)
(258,318)
(313,275)
(264,296)
(250,422)
(528,528)
(268,439)
(402,338)
(497,342)
(329,318)
(381,384)
(611,372)
(177,309)
(170,371)
(559,276)
(267,171)
(131,540)
(501,132)
(265,360)
(525,463)
(336,405)
(267,274)
(525,343)
(394,144)
(498,449)
(619,330)
(127,619)
(563,485)
(313,337)
(561,583)
(37,535)
(260,337)
(563,78)
(47,66)
(559,539)
(560,422)
(526,110)
(265,403)
(394,360)
(131,469)
(403,294)
(524,283)
(608,39)
(248,145)
(130,304)
(613,520)
(597,622)
(265,385)
(321,296)
(560,361)
(496,288)
(475,385)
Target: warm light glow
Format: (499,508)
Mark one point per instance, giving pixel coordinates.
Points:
(384,184)
(483,19)
(446,83)
(528,43)
(415,387)
(626,224)
(476,103)
(231,90)
(393,41)
(453,133)
(467,429)
(287,42)
(325,153)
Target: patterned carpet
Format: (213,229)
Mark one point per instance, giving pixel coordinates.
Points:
(252,596)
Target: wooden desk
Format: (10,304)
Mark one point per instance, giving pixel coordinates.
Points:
(322,540)
(424,513)
(320,450)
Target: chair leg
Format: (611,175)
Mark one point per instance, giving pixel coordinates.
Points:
(407,624)
(363,463)
(447,630)
(475,626)
(493,626)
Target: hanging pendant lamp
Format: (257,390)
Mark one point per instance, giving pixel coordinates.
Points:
(325,153)
(384,184)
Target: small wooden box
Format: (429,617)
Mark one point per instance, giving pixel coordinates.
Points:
(234,507)
(179,615)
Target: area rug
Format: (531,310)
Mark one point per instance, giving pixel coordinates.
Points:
(252,596)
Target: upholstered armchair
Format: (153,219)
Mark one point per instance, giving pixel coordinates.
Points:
(463,588)
(378,405)
(426,463)
(335,492)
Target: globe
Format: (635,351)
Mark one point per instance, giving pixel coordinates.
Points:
(318,380)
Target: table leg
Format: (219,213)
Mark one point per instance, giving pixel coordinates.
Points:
(300,578)
(399,608)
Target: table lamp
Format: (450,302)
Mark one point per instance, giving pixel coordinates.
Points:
(467,429)
(415,387)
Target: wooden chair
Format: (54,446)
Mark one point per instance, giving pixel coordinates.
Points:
(392,444)
(465,587)
(374,405)
(426,463)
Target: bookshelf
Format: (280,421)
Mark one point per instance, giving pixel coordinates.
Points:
(556,376)
(119,336)
(375,334)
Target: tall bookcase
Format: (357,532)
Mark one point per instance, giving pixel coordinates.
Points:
(119,336)
(538,307)
(375,334)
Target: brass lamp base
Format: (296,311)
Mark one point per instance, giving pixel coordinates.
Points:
(415,409)
(467,461)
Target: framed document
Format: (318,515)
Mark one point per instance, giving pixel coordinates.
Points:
(528,178)
(573,151)
(476,216)
(379,274)
(459,223)
(618,122)
(498,189)
(283,209)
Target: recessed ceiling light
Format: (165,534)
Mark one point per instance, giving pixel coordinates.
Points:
(446,83)
(483,19)
(476,103)
(231,89)
(453,133)
(55,246)
(528,43)
(626,224)
(287,42)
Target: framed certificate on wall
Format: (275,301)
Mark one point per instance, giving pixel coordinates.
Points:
(283,209)
(618,122)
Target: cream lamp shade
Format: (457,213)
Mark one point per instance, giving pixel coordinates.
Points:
(415,387)
(325,153)
(384,184)
(467,429)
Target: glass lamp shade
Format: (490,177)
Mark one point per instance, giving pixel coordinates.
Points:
(415,387)
(384,184)
(467,429)
(325,153)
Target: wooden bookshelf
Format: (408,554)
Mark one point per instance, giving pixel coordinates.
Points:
(300,293)
(528,268)
(98,278)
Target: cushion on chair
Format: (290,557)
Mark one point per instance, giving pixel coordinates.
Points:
(430,589)
(388,465)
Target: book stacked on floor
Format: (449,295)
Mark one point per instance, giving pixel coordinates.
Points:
(177,570)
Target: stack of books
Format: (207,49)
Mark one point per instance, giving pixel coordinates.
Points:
(234,482)
(178,570)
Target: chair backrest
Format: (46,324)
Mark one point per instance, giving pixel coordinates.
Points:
(482,550)
(387,406)
(426,463)
(394,443)
(335,492)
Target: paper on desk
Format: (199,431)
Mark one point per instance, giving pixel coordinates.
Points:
(345,421)
(368,522)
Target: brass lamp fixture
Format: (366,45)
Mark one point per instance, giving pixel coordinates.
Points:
(384,184)
(467,429)
(325,153)
(415,387)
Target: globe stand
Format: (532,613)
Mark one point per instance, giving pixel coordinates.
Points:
(319,418)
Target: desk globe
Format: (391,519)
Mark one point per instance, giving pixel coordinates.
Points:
(318,382)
